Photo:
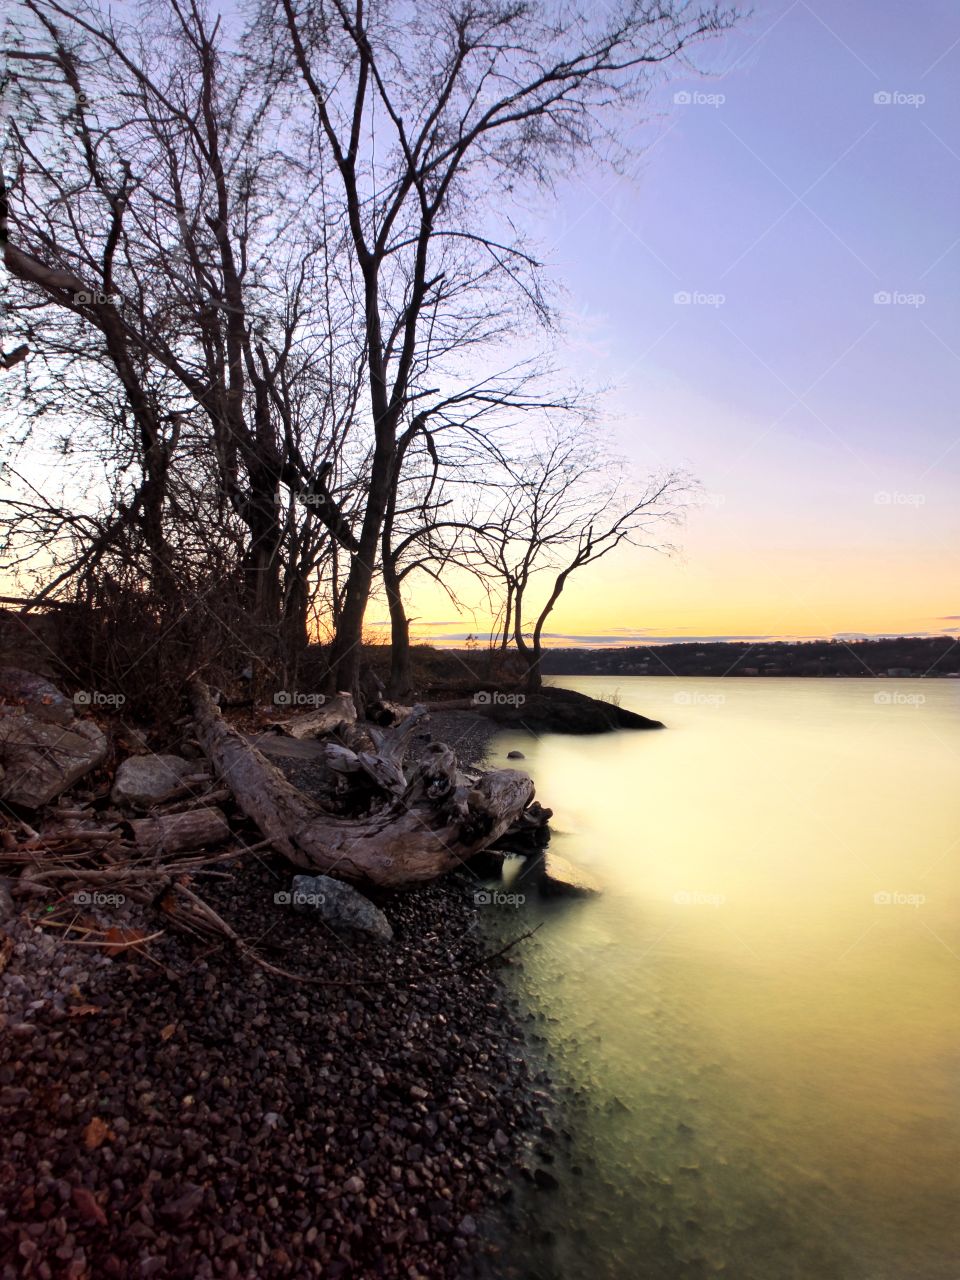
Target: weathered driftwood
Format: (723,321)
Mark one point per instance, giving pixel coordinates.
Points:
(530,833)
(327,718)
(383,763)
(439,821)
(173,832)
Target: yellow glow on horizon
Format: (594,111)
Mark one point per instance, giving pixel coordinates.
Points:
(776,592)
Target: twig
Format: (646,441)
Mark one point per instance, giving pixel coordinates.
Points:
(121,945)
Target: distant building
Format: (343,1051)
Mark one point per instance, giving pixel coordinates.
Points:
(899,673)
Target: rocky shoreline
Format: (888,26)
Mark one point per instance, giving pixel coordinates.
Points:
(193,1115)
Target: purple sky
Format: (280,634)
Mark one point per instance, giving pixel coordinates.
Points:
(823,424)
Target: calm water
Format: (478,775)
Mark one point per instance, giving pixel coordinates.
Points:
(763,1006)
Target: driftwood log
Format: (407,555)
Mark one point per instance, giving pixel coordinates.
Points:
(175,832)
(423,822)
(329,716)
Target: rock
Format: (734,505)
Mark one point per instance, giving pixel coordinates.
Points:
(555,877)
(134,739)
(148,780)
(554,710)
(36,695)
(88,1206)
(516,755)
(545,1180)
(7,908)
(340,906)
(42,757)
(182,1207)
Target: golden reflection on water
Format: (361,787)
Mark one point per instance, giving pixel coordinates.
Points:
(763,1006)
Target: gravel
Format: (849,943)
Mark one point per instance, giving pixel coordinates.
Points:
(196,1116)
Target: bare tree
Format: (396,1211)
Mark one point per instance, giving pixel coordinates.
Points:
(566,505)
(431,116)
(259,263)
(175,258)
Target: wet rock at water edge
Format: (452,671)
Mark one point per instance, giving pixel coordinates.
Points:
(555,877)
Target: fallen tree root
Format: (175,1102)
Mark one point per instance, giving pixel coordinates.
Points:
(437,822)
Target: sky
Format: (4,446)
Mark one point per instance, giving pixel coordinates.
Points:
(771,297)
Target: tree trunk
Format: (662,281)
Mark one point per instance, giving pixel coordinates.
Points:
(401,676)
(295,639)
(262,560)
(533,680)
(530,653)
(438,821)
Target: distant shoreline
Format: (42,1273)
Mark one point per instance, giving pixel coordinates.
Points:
(900,658)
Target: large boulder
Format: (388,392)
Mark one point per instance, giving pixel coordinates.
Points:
(44,747)
(340,906)
(143,781)
(19,688)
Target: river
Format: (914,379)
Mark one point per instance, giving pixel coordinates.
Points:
(760,1016)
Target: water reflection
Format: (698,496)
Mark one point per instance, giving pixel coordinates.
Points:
(762,1008)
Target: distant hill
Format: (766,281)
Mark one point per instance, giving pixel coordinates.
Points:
(902,656)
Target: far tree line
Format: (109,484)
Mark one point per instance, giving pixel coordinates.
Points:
(268,285)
